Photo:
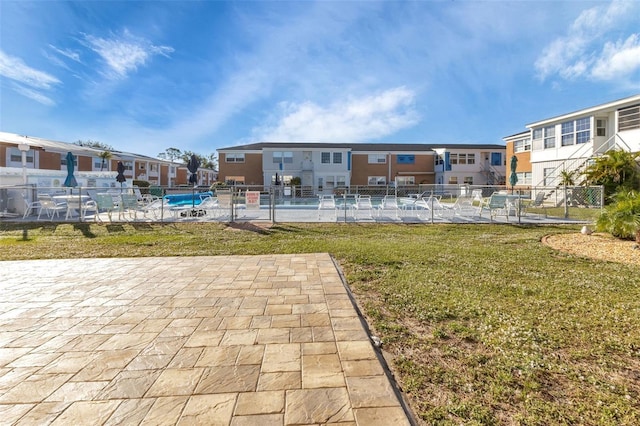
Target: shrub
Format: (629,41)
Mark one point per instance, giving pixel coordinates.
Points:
(622,217)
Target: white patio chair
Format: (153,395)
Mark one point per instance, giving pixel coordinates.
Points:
(425,207)
(464,207)
(51,207)
(327,204)
(389,207)
(363,208)
(30,207)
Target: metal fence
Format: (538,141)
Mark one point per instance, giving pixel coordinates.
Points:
(288,203)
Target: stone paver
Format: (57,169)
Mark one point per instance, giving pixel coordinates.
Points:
(229,340)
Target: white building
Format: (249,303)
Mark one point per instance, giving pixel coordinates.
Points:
(569,142)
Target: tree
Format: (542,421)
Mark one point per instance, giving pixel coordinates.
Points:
(208,162)
(105,156)
(567,178)
(616,170)
(94,144)
(171,154)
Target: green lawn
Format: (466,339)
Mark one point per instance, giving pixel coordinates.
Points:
(484,324)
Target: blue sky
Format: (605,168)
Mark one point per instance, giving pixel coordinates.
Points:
(143,76)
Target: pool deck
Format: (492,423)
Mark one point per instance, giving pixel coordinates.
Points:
(226,340)
(311,214)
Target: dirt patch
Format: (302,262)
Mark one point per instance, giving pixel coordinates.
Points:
(598,246)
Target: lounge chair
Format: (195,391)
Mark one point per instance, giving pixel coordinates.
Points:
(425,207)
(363,208)
(389,207)
(464,207)
(327,204)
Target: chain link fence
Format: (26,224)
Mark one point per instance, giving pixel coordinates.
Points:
(288,203)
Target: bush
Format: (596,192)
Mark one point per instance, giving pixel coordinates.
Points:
(622,217)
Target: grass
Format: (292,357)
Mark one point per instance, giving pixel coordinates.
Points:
(483,323)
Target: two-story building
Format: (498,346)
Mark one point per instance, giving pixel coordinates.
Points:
(324,166)
(569,142)
(45,164)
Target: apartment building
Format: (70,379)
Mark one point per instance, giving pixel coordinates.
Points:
(569,142)
(45,165)
(325,166)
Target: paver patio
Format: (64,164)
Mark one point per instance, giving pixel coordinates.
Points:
(227,340)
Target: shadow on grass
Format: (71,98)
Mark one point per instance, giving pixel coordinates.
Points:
(115,228)
(85,228)
(248,226)
(142,226)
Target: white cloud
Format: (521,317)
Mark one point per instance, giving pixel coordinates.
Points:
(75,56)
(27,81)
(33,94)
(125,54)
(354,120)
(579,53)
(15,69)
(618,59)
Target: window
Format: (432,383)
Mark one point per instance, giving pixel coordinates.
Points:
(496,159)
(578,131)
(468,180)
(97,163)
(522,145)
(63,160)
(601,127)
(341,181)
(453,180)
(233,180)
(453,158)
(549,137)
(329,182)
(567,137)
(471,159)
(337,158)
(325,157)
(537,138)
(406,159)
(285,157)
(16,156)
(439,160)
(377,159)
(462,158)
(524,178)
(128,165)
(405,180)
(234,158)
(377,180)
(549,177)
(629,118)
(583,130)
(153,167)
(141,166)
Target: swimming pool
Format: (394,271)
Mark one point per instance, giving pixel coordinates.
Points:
(187,199)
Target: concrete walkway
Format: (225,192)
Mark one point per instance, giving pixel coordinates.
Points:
(236,340)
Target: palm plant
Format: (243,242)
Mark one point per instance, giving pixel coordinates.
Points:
(616,169)
(567,178)
(105,156)
(622,218)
